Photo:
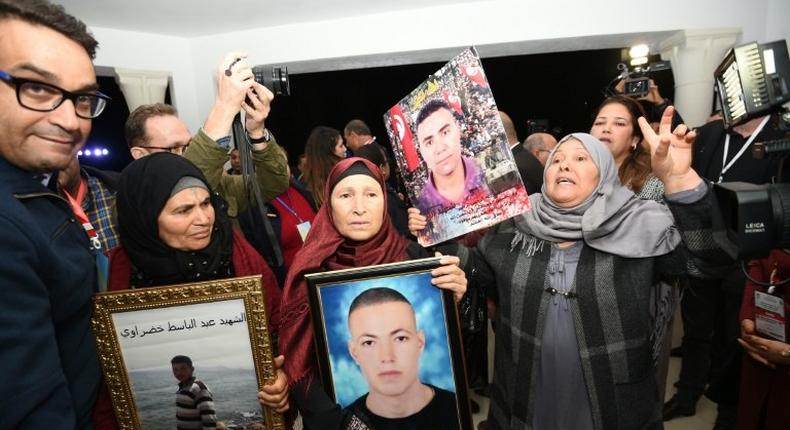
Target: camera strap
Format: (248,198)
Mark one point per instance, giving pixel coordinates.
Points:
(725,166)
(244,146)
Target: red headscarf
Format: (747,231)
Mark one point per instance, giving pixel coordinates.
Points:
(326,249)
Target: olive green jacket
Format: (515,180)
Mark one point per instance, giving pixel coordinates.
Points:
(210,158)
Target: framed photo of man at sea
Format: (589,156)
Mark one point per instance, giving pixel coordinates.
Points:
(187,354)
(385,336)
(453,154)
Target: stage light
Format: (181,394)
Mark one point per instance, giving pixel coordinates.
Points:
(637,51)
(753,80)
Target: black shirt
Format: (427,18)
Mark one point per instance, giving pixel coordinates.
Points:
(709,150)
(441,413)
(529,168)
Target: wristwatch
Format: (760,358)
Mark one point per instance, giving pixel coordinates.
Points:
(267,137)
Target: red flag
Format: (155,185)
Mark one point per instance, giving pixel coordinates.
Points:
(401,128)
(454,101)
(475,74)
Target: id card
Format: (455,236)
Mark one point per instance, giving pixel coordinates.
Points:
(303,228)
(769,316)
(102,269)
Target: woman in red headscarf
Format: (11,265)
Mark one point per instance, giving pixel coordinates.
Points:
(352,229)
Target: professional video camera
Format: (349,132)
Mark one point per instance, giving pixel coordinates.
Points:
(752,81)
(636,82)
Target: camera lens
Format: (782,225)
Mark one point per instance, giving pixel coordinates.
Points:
(273,78)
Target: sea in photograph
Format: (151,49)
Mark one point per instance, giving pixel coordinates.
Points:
(234,390)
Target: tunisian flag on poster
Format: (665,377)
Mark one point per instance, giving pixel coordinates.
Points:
(454,101)
(491,184)
(401,127)
(475,74)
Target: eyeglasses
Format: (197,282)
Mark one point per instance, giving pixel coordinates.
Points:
(178,150)
(42,97)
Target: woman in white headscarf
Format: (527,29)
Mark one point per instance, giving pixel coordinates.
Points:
(573,277)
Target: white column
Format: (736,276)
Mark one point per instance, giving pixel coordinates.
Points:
(142,87)
(694,55)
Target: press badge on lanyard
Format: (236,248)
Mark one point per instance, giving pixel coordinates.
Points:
(102,262)
(769,313)
(304,226)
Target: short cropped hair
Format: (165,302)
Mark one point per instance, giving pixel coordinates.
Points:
(54,16)
(535,141)
(358,127)
(376,296)
(135,126)
(181,359)
(431,107)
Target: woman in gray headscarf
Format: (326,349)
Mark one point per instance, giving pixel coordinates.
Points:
(572,279)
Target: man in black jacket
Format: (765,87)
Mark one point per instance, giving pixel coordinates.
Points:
(48,93)
(710,307)
(530,169)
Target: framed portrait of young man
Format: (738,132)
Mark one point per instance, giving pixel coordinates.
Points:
(181,355)
(452,152)
(389,347)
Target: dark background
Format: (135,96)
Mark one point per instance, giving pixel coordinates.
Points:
(564,88)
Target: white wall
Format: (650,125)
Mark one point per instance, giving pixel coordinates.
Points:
(777,21)
(497,27)
(133,50)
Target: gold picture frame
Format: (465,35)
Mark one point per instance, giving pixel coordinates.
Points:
(125,354)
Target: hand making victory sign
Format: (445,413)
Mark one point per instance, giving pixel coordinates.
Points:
(670,152)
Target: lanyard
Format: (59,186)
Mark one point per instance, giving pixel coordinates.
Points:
(288,207)
(725,166)
(79,213)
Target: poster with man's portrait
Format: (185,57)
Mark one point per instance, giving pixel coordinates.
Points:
(453,153)
(386,335)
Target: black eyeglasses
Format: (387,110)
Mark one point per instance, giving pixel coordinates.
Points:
(178,150)
(42,97)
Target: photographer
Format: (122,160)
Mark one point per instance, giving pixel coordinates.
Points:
(711,355)
(765,376)
(653,103)
(209,149)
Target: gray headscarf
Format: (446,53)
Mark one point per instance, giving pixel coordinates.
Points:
(612,219)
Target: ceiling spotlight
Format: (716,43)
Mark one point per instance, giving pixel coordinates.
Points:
(88,153)
(104,151)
